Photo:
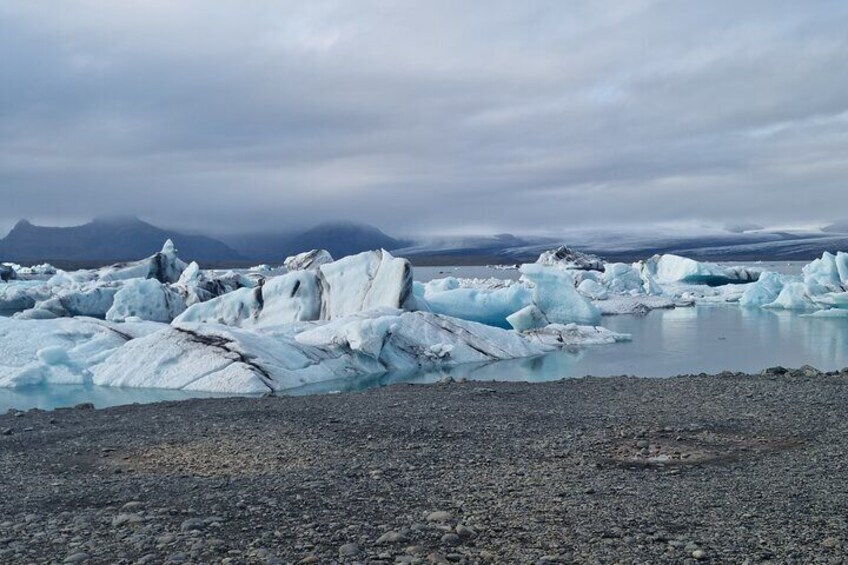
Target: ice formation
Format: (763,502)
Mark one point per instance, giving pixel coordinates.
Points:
(673,268)
(160,322)
(308,260)
(568,258)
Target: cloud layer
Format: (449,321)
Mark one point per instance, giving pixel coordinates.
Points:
(424,116)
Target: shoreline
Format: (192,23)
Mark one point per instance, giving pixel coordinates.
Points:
(718,468)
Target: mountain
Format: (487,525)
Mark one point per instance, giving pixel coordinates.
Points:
(837,227)
(105,240)
(340,239)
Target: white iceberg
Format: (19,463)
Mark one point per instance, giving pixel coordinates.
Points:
(671,268)
(217,358)
(61,351)
(555,296)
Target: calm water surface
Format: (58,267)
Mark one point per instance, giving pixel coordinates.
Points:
(706,339)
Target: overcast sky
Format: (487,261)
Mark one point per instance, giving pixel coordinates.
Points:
(428,116)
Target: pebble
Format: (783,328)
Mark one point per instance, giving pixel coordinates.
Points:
(439,516)
(77,557)
(699,554)
(349,550)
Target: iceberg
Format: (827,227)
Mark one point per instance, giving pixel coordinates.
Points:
(146,299)
(293,297)
(216,358)
(61,351)
(559,335)
(670,268)
(765,290)
(372,279)
(567,258)
(309,260)
(486,306)
(555,296)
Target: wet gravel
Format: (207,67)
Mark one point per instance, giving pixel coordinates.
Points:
(727,468)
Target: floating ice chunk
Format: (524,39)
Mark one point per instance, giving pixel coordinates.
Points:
(292,297)
(559,335)
(638,305)
(567,258)
(554,294)
(146,299)
(91,300)
(17,297)
(793,296)
(593,290)
(486,306)
(61,351)
(766,289)
(263,268)
(164,266)
(528,318)
(673,268)
(226,359)
(622,278)
(828,274)
(372,279)
(309,260)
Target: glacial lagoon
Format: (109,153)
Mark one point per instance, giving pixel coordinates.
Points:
(705,338)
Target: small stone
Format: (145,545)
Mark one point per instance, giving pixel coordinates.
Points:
(192,524)
(126,519)
(464,531)
(84,406)
(310,559)
(6,431)
(77,557)
(451,539)
(132,505)
(830,542)
(349,550)
(439,516)
(391,537)
(699,554)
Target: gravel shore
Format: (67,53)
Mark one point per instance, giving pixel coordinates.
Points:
(729,468)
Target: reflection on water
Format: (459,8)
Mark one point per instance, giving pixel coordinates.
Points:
(706,339)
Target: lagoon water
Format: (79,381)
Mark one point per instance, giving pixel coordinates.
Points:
(706,339)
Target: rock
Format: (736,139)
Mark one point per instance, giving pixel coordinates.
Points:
(451,539)
(830,542)
(6,431)
(192,524)
(464,531)
(391,537)
(311,558)
(349,550)
(437,558)
(126,519)
(84,406)
(699,554)
(77,557)
(132,505)
(809,371)
(439,516)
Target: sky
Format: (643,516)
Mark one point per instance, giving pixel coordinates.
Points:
(433,116)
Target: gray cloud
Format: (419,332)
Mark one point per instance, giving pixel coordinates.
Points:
(424,116)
